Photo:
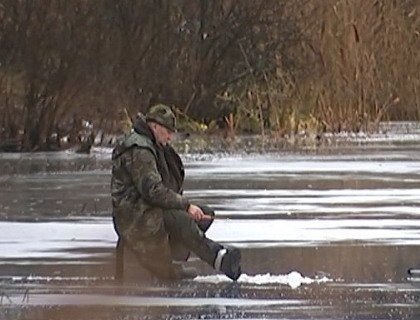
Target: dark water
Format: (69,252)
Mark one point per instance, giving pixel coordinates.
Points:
(345,218)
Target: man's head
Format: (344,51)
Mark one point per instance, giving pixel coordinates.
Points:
(162,121)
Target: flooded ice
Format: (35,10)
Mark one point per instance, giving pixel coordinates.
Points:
(325,234)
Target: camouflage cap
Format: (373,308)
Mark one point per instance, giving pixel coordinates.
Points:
(162,115)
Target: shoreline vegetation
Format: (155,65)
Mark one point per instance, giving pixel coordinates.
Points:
(389,133)
(283,72)
(202,146)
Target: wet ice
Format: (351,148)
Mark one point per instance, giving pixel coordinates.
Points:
(350,213)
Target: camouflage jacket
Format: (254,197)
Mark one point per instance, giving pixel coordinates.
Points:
(145,177)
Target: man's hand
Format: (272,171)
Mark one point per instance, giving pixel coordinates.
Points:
(197,214)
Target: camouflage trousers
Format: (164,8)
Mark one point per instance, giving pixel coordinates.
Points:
(171,238)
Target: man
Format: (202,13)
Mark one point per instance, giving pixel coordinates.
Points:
(150,214)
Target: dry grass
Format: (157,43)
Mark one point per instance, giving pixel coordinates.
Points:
(362,67)
(366,63)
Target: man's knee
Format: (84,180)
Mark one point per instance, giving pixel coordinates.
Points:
(180,225)
(177,220)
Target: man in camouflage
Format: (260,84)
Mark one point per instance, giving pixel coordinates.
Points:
(151,216)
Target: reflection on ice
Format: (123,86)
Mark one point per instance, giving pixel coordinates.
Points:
(25,240)
(309,232)
(32,278)
(137,301)
(281,166)
(241,202)
(63,239)
(302,195)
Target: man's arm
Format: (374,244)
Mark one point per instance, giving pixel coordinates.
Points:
(149,183)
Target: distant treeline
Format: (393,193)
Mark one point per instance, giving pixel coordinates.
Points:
(259,66)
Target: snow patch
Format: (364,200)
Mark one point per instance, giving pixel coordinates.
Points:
(294,279)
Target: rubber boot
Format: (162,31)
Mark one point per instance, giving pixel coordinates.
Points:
(228,261)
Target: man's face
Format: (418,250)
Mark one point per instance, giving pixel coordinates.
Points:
(162,134)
